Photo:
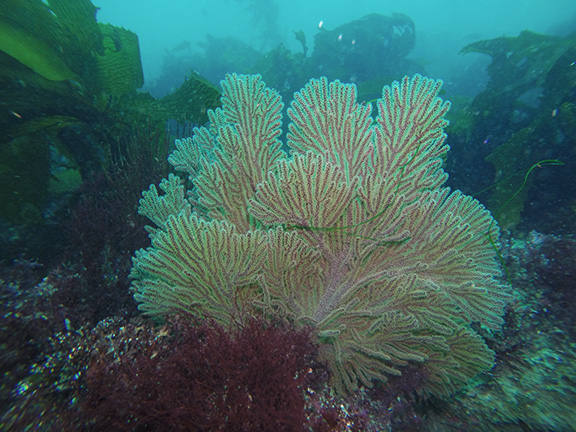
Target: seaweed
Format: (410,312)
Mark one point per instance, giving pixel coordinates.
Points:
(71,86)
(524,115)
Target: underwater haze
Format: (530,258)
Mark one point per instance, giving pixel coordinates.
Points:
(288,215)
(443,27)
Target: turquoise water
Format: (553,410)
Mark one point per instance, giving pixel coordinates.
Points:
(443,27)
(361,257)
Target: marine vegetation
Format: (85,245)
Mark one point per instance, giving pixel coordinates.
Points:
(352,233)
(370,52)
(204,378)
(526,114)
(372,46)
(70,102)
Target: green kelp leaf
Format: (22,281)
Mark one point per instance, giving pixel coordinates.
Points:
(33,51)
(44,125)
(65,180)
(25,168)
(120,68)
(78,18)
(34,17)
(511,153)
(48,126)
(190,102)
(80,38)
(24,173)
(522,60)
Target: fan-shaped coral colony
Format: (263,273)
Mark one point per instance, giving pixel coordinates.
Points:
(351,232)
(345,226)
